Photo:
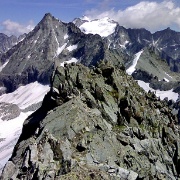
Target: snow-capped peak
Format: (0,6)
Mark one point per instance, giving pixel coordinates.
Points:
(85,18)
(104,27)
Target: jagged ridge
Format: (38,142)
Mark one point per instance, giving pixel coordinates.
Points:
(97,123)
(44,48)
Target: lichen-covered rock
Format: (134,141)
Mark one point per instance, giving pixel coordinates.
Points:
(97,124)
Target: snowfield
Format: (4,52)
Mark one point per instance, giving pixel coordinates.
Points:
(10,130)
(104,27)
(27,95)
(132,68)
(162,94)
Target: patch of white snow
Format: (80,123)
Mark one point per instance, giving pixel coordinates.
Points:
(21,39)
(72,47)
(70,61)
(3,66)
(167,80)
(60,49)
(66,36)
(132,68)
(29,56)
(10,132)
(85,18)
(124,45)
(104,27)
(162,94)
(168,75)
(27,95)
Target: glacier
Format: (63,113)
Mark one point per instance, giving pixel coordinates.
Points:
(104,27)
(10,131)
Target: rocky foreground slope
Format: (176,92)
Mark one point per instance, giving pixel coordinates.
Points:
(97,124)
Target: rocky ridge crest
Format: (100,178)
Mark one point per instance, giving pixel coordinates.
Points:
(97,124)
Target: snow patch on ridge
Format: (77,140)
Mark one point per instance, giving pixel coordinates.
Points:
(85,18)
(162,94)
(3,66)
(27,95)
(71,47)
(60,49)
(124,45)
(29,56)
(104,27)
(168,75)
(132,68)
(70,61)
(167,80)
(66,36)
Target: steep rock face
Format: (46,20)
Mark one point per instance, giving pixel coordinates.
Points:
(152,64)
(78,21)
(97,124)
(165,43)
(50,43)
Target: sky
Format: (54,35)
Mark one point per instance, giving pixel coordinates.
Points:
(21,16)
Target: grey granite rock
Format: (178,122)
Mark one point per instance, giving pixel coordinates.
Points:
(75,135)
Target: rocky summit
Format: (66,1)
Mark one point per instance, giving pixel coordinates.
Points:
(97,123)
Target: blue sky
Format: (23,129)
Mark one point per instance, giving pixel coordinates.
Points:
(18,16)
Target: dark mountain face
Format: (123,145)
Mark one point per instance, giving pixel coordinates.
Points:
(166,43)
(49,44)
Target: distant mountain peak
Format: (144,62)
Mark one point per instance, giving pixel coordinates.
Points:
(48,16)
(85,18)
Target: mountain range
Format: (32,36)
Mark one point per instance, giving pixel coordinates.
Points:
(53,42)
(7,42)
(27,65)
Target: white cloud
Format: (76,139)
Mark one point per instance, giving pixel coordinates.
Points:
(150,15)
(9,27)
